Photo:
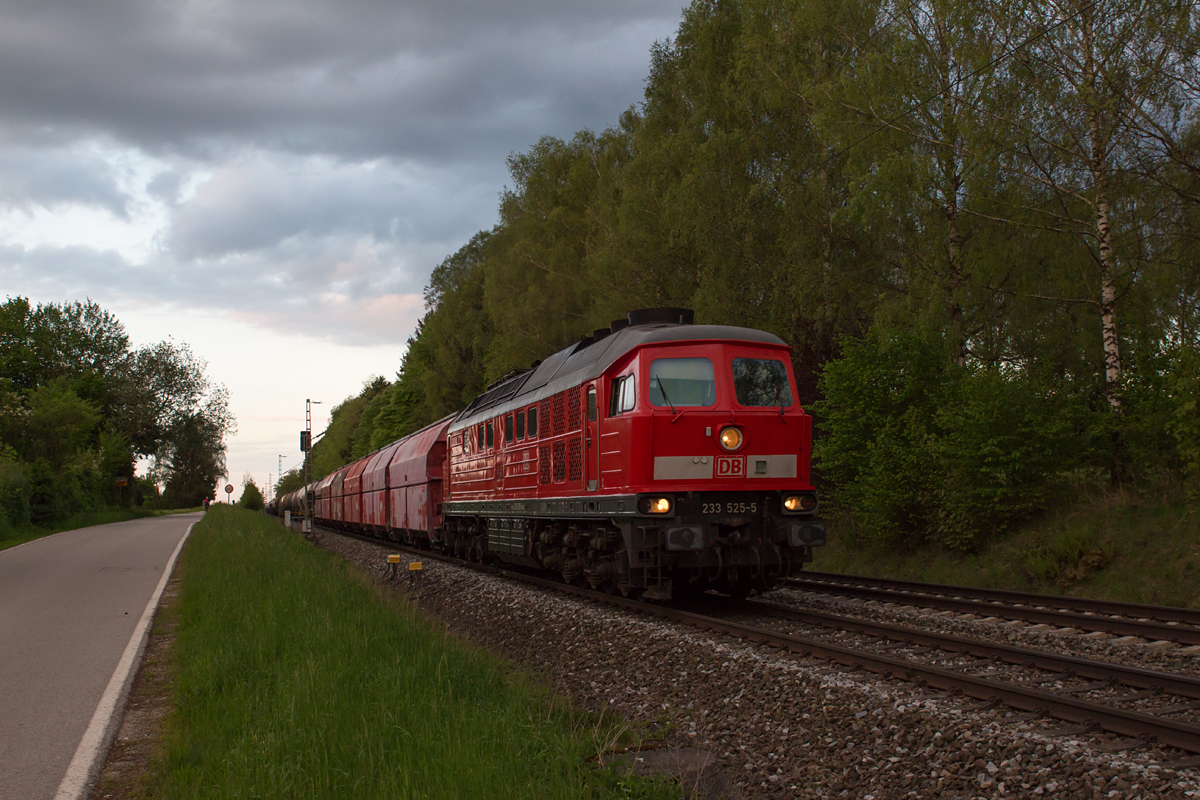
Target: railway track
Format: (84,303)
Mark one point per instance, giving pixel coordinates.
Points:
(1141,704)
(1155,623)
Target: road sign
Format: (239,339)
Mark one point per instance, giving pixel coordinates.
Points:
(229,488)
(122,481)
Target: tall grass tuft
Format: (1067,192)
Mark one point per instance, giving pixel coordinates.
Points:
(298,679)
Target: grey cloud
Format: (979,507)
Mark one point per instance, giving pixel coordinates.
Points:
(356,78)
(310,160)
(258,205)
(300,289)
(32,177)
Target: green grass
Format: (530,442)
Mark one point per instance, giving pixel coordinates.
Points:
(1112,546)
(11,537)
(297,677)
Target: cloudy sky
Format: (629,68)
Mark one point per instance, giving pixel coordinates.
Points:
(272,182)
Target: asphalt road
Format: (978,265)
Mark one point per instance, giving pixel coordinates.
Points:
(69,604)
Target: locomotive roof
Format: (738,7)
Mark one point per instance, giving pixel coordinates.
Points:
(588,358)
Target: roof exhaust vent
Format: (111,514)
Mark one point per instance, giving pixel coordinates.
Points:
(600,333)
(662,316)
(618,324)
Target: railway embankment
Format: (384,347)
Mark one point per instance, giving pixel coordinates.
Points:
(1106,545)
(281,670)
(781,724)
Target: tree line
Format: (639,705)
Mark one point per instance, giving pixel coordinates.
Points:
(976,224)
(79,406)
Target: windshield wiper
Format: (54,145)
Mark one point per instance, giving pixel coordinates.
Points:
(663,391)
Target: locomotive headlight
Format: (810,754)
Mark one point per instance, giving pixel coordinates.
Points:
(800,502)
(730,438)
(655,505)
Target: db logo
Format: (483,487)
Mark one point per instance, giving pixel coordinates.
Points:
(731,467)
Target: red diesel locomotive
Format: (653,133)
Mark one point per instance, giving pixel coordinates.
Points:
(657,458)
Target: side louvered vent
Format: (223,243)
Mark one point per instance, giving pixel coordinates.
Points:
(560,462)
(574,461)
(574,418)
(544,464)
(559,424)
(545,421)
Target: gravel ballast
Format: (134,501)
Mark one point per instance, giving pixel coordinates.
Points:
(777,725)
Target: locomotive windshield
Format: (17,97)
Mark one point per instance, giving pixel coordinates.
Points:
(678,382)
(761,382)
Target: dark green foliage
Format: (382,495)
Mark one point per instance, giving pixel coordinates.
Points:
(251,499)
(78,406)
(57,425)
(1002,440)
(337,446)
(879,431)
(196,462)
(14,491)
(921,451)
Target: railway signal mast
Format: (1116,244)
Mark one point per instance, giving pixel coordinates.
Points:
(306,448)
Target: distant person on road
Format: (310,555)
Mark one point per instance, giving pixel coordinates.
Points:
(206,505)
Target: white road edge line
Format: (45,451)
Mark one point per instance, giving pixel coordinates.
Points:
(103,727)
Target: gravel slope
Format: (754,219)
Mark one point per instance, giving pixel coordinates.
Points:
(779,726)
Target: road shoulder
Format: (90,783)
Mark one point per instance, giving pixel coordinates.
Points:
(141,738)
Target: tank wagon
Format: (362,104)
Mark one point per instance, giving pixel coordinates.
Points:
(656,458)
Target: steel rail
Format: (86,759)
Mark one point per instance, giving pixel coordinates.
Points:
(1086,605)
(1145,727)
(1134,677)
(1180,634)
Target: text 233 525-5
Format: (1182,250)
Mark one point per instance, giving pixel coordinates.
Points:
(729,508)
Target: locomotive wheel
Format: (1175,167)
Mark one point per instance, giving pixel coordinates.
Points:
(741,588)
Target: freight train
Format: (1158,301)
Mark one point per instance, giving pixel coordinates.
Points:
(656,458)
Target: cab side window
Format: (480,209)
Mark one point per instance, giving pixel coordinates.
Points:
(508,429)
(480,438)
(532,421)
(628,395)
(521,424)
(623,396)
(491,437)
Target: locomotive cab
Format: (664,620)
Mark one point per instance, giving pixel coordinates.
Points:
(715,445)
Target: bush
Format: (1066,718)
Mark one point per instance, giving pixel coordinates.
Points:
(14,492)
(1000,442)
(252,498)
(919,451)
(1183,387)
(878,439)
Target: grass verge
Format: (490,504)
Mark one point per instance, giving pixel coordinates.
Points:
(11,537)
(1111,546)
(297,677)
